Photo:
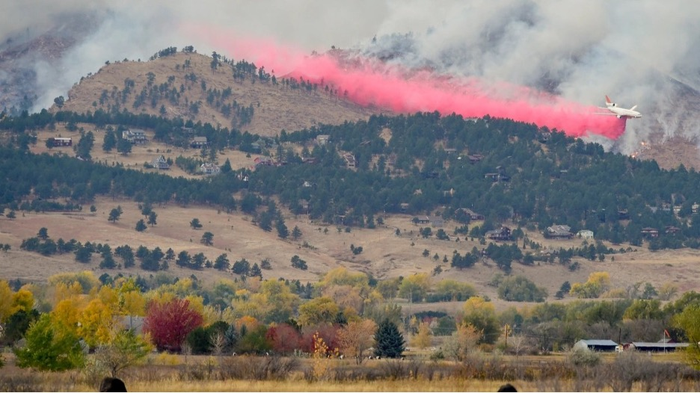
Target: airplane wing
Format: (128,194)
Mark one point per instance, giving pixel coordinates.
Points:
(604,112)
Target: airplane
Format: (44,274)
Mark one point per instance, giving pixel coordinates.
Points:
(620,112)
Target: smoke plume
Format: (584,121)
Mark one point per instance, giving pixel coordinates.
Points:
(555,59)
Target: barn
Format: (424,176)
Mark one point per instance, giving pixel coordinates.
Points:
(595,345)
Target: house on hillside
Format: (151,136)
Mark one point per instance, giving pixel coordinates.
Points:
(501,234)
(650,232)
(135,136)
(421,220)
(585,234)
(160,163)
(595,345)
(198,142)
(262,161)
(350,160)
(474,158)
(472,215)
(209,168)
(437,222)
(492,176)
(62,142)
(558,232)
(671,230)
(322,140)
(623,214)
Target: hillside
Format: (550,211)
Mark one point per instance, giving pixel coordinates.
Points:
(385,255)
(185,85)
(404,168)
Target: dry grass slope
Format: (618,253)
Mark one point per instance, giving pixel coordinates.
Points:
(276,107)
(385,255)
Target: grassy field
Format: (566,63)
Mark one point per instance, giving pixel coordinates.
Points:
(481,373)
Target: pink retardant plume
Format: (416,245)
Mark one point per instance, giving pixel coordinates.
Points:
(403,91)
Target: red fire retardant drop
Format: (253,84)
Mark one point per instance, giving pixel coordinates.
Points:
(403,91)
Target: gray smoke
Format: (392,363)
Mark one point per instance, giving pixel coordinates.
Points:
(641,52)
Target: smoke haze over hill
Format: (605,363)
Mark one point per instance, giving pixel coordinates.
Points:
(638,52)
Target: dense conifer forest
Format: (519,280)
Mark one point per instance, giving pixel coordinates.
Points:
(511,173)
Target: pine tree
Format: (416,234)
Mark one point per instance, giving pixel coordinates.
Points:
(141,226)
(389,342)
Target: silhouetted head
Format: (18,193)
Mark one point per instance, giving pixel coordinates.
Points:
(110,384)
(507,388)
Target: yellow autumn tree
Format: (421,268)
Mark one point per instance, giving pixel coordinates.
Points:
(86,279)
(597,284)
(96,323)
(422,339)
(6,301)
(276,300)
(22,300)
(66,315)
(415,287)
(319,310)
(482,316)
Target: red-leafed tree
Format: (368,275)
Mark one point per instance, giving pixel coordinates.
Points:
(328,332)
(170,322)
(285,339)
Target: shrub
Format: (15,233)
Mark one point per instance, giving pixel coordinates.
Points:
(258,368)
(584,358)
(520,289)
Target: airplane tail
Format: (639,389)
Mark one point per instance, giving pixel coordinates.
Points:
(608,102)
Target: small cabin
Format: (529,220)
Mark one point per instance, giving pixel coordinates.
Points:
(160,163)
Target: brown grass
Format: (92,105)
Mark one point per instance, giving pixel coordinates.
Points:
(479,373)
(385,254)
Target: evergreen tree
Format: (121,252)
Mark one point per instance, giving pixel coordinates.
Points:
(83,255)
(152,216)
(110,141)
(195,224)
(389,342)
(282,230)
(226,168)
(222,262)
(255,271)
(114,214)
(296,233)
(124,146)
(141,226)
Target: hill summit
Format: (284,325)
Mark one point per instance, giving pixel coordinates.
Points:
(212,90)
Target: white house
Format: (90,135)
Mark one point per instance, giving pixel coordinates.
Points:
(585,234)
(209,169)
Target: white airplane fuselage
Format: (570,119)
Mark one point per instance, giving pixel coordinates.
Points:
(621,112)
